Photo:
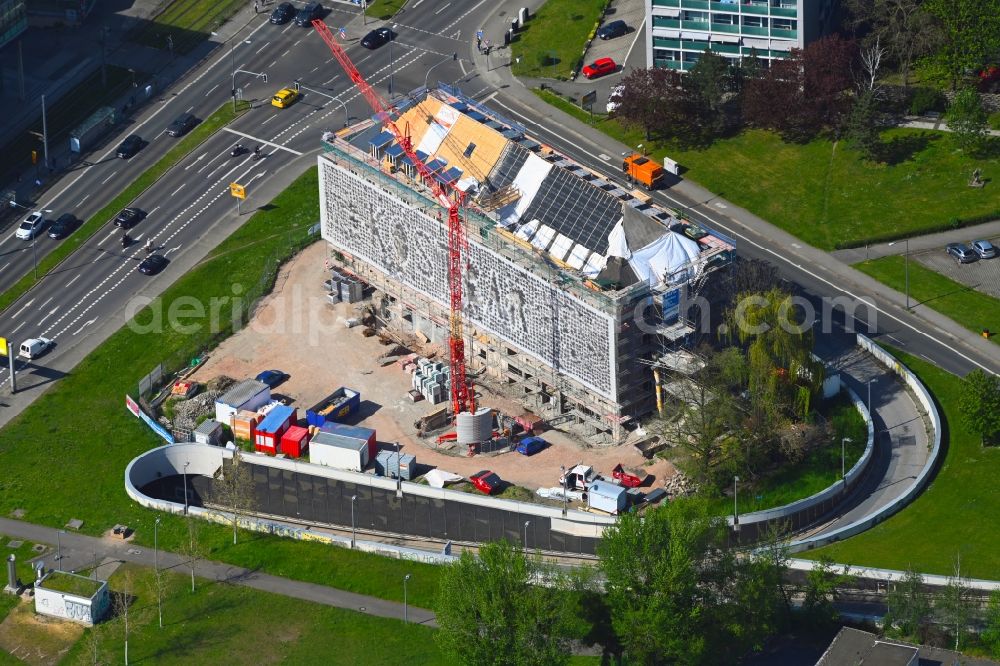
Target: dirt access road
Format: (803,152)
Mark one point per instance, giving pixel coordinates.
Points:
(297,331)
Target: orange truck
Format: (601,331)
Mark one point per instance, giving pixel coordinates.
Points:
(641,169)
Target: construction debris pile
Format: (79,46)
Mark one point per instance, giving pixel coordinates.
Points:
(188,413)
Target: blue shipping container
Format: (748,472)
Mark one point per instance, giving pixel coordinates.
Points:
(338,405)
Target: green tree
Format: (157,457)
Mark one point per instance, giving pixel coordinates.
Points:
(234,490)
(968,120)
(490,612)
(902,26)
(709,82)
(821,590)
(991,632)
(971,34)
(953,606)
(979,404)
(677,594)
(908,605)
(862,126)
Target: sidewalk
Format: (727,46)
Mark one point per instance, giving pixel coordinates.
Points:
(80,552)
(938,241)
(749,228)
(931,123)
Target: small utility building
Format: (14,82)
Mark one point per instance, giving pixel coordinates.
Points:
(250,395)
(606,496)
(350,453)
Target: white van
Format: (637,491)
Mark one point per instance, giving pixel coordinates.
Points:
(34,347)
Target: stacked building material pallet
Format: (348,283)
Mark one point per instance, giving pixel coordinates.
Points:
(431,380)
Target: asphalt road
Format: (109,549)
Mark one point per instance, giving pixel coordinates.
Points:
(190,209)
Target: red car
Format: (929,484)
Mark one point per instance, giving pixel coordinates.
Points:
(599,67)
(486,481)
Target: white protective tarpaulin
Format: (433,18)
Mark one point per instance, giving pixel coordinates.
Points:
(437,478)
(617,244)
(663,257)
(527,181)
(432,138)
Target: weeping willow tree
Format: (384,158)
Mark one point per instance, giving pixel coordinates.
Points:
(782,376)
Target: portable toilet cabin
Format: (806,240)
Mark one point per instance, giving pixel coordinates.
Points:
(267,434)
(354,432)
(607,497)
(295,441)
(250,395)
(326,448)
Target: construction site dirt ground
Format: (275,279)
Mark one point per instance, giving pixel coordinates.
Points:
(297,331)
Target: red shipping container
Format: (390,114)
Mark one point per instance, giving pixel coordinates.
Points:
(267,434)
(295,442)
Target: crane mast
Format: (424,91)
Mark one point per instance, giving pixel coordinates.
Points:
(450,197)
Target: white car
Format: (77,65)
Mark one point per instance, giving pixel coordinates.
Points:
(34,347)
(31,227)
(614,98)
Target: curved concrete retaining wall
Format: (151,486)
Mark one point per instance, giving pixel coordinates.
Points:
(804,512)
(925,399)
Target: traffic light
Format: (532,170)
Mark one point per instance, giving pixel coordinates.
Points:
(34,157)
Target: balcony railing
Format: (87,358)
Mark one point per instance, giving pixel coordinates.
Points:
(754,9)
(694,4)
(666,3)
(725,48)
(664,22)
(751,30)
(792,12)
(695,25)
(785,34)
(725,27)
(725,7)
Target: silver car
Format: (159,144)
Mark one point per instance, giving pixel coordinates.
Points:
(984,249)
(963,253)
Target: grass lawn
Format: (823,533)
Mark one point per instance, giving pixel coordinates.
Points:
(63,117)
(384,9)
(954,513)
(185,145)
(816,472)
(188,22)
(995,120)
(970,308)
(829,197)
(23,553)
(228,624)
(551,43)
(92,459)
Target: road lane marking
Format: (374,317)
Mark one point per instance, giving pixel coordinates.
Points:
(195,162)
(46,302)
(19,327)
(212,89)
(150,213)
(259,140)
(51,312)
(68,284)
(286,52)
(174,193)
(269,118)
(85,325)
(459,19)
(189,110)
(80,202)
(273,63)
(777,255)
(108,237)
(443,7)
(23,307)
(261,48)
(113,174)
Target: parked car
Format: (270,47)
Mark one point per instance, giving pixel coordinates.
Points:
(529,446)
(34,347)
(963,253)
(377,38)
(64,226)
(31,226)
(182,124)
(308,14)
(599,67)
(130,146)
(614,29)
(284,98)
(129,217)
(153,264)
(615,98)
(272,377)
(486,481)
(283,13)
(984,249)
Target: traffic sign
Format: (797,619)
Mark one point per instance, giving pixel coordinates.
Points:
(588,99)
(3,346)
(237,190)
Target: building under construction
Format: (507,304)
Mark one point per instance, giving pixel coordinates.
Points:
(571,282)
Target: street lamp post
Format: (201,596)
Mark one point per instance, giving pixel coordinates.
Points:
(526,523)
(565,496)
(906,269)
(186,487)
(870,400)
(843,467)
(59,549)
(736,511)
(347,117)
(156,558)
(406,617)
(156,569)
(34,254)
(353,529)
(454,57)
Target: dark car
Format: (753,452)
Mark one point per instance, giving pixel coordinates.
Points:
(182,125)
(153,264)
(283,13)
(272,377)
(308,14)
(963,253)
(486,481)
(612,30)
(129,217)
(64,226)
(130,146)
(377,38)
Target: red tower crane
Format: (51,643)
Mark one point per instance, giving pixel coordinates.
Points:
(462,393)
